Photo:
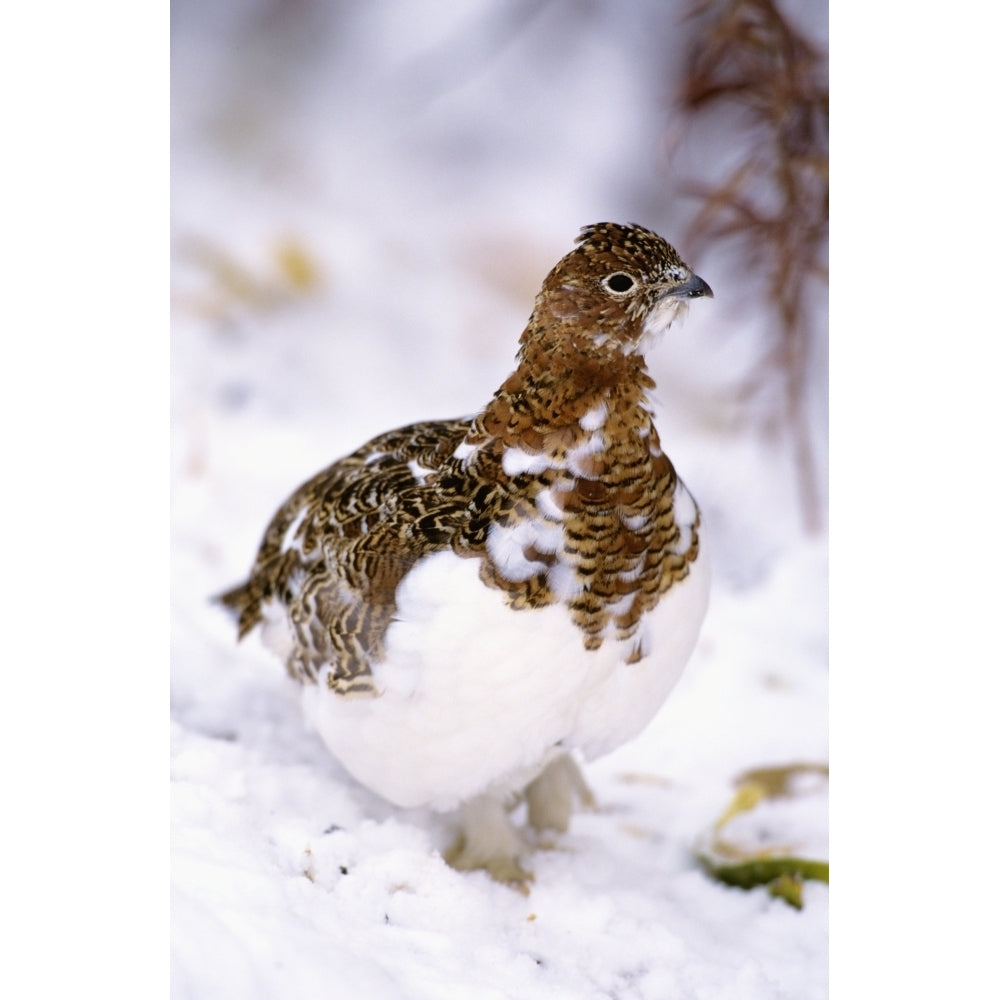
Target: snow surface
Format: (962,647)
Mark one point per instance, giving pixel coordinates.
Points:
(401,155)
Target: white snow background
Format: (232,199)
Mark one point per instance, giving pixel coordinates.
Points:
(433,163)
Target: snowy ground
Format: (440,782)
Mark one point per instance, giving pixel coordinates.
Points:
(362,212)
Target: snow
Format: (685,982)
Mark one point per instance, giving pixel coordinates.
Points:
(400,154)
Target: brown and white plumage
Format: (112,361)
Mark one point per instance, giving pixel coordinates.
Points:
(467,603)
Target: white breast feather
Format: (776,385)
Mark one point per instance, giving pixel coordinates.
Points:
(467,708)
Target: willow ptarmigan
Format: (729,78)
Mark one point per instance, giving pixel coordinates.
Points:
(469,604)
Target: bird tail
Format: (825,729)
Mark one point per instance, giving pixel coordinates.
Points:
(243,603)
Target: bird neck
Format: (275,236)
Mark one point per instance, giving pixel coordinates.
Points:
(565,382)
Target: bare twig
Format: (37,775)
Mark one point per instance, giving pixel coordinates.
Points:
(774,205)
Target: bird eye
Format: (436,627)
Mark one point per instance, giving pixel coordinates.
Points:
(619,282)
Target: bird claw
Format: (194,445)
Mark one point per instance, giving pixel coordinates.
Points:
(488,842)
(502,868)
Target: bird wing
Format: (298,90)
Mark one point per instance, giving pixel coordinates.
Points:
(337,548)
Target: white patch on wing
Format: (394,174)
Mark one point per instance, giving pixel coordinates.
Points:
(506,544)
(374,457)
(463,451)
(418,471)
(288,540)
(517,461)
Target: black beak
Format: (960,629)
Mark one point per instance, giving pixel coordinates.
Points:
(693,288)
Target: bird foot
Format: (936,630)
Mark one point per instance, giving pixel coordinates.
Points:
(504,869)
(552,794)
(488,842)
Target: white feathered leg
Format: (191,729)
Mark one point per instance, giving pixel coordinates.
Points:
(551,795)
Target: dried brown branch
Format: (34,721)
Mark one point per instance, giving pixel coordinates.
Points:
(775,205)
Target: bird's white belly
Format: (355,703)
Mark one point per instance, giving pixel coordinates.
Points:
(476,696)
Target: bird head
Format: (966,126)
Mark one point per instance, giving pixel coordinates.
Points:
(621,286)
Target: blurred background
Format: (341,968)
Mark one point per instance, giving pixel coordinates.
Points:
(366,197)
